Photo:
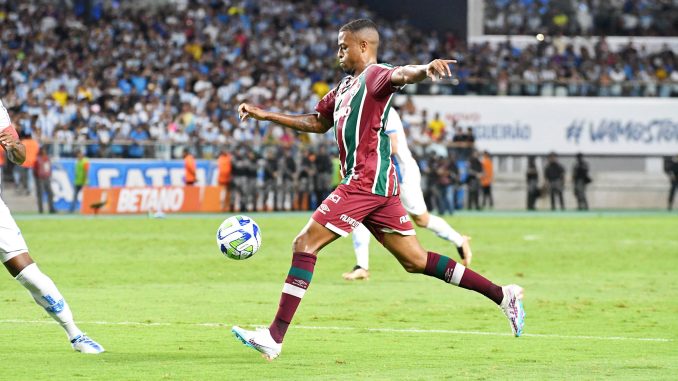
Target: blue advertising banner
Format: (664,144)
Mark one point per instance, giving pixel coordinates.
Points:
(129,173)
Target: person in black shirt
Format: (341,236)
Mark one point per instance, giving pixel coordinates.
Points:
(271,176)
(475,169)
(324,170)
(672,171)
(239,170)
(532,183)
(581,178)
(554,174)
(290,177)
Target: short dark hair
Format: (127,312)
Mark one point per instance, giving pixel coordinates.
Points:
(358,24)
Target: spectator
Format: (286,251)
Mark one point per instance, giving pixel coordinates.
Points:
(32,148)
(532,176)
(81,176)
(581,178)
(189,168)
(486,180)
(444,180)
(224,179)
(554,175)
(239,169)
(475,170)
(42,170)
(139,137)
(672,171)
(323,179)
(436,127)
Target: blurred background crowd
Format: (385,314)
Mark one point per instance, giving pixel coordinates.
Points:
(119,81)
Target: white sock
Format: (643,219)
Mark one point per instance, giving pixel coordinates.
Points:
(46,294)
(444,230)
(361,246)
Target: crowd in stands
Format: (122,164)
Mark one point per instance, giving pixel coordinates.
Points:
(582,17)
(129,83)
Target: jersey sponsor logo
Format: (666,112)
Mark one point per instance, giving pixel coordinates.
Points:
(349,220)
(342,112)
(334,198)
(323,209)
(404,219)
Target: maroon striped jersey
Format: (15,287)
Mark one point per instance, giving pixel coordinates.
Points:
(358,108)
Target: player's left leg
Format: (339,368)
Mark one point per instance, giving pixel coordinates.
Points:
(415,259)
(45,293)
(390,226)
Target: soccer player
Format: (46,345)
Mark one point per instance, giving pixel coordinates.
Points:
(358,110)
(14,255)
(409,178)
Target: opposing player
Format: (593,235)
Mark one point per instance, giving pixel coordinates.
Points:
(358,109)
(14,255)
(409,178)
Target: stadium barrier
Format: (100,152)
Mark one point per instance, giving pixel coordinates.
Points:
(117,173)
(536,125)
(131,200)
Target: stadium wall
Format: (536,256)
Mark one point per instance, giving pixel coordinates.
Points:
(625,141)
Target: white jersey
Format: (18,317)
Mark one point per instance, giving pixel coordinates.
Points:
(405,164)
(11,241)
(4,117)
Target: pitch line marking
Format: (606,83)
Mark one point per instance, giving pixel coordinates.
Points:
(368,329)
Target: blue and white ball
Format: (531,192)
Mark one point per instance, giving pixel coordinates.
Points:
(238,237)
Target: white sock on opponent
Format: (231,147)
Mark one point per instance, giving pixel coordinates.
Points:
(444,230)
(361,246)
(46,294)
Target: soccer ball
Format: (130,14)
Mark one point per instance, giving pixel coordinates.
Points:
(238,237)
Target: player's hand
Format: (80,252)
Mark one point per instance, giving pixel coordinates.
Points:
(246,110)
(439,69)
(7,140)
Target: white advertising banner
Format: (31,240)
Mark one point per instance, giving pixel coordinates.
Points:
(536,125)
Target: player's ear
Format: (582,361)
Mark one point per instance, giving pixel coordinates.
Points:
(363,46)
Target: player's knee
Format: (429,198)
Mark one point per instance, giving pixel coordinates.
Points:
(412,267)
(301,243)
(421,220)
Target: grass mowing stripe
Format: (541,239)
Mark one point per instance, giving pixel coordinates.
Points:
(329,328)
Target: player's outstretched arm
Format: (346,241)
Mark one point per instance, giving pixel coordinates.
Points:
(436,69)
(9,139)
(305,123)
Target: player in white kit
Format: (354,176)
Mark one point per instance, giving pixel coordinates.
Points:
(412,198)
(14,254)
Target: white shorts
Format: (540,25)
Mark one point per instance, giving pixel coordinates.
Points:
(412,197)
(11,241)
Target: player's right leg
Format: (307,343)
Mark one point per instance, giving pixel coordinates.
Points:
(312,238)
(361,246)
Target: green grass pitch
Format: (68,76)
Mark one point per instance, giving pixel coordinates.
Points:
(601,301)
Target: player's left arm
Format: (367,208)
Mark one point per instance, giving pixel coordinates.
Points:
(436,69)
(9,139)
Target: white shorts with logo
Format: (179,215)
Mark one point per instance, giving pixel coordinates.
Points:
(11,241)
(411,195)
